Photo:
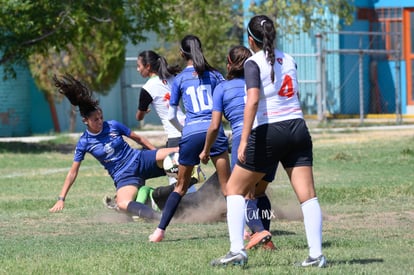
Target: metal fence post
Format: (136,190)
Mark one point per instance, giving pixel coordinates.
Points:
(319,77)
(397,83)
(361,83)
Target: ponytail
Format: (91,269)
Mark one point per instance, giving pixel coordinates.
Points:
(158,64)
(192,50)
(78,94)
(261,29)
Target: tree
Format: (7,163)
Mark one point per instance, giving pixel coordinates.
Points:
(87,39)
(302,15)
(28,27)
(90,58)
(218,24)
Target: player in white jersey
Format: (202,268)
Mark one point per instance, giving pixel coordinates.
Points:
(156,92)
(273,131)
(228,100)
(194,86)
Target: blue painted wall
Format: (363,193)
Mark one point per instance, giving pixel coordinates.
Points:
(15,104)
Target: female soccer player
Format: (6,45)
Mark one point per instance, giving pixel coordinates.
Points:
(194,85)
(228,100)
(274,130)
(156,92)
(128,167)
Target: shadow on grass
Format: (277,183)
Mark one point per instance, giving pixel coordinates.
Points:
(35,148)
(355,262)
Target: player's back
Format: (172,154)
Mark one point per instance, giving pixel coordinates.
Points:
(196,94)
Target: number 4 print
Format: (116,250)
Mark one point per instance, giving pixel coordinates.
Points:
(286,89)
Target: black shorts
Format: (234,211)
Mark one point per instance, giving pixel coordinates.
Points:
(287,142)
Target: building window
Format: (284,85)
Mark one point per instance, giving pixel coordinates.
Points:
(389,22)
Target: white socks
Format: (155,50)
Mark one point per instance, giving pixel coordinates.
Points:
(312,218)
(236,221)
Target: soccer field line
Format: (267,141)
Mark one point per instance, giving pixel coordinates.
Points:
(41,172)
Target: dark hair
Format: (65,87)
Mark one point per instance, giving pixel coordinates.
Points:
(78,94)
(236,58)
(192,50)
(261,28)
(158,64)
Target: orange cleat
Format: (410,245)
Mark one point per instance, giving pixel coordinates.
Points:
(262,237)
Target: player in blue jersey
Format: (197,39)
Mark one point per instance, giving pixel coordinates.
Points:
(274,131)
(156,92)
(228,100)
(194,86)
(128,167)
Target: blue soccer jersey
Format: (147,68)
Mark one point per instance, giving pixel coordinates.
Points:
(229,99)
(197,96)
(108,147)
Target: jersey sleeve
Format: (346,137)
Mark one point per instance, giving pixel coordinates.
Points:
(121,128)
(80,151)
(145,100)
(251,74)
(175,92)
(218,98)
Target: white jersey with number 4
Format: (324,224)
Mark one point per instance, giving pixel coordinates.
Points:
(279,101)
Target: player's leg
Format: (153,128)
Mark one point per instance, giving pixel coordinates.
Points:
(302,182)
(222,165)
(238,185)
(125,199)
(184,176)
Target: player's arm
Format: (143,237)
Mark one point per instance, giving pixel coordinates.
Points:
(145,100)
(142,141)
(69,180)
(212,133)
(252,77)
(172,117)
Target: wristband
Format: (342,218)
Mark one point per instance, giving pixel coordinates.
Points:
(61,198)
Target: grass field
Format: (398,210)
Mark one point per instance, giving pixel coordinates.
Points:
(364,181)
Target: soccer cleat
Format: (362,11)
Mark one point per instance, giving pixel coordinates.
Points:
(269,246)
(197,175)
(231,258)
(110,202)
(319,261)
(153,203)
(157,236)
(262,237)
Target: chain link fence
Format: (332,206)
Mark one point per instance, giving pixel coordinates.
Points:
(359,77)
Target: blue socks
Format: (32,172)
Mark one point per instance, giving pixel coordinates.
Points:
(169,209)
(142,210)
(253,216)
(265,208)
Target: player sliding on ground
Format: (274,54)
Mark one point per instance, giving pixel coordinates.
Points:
(128,167)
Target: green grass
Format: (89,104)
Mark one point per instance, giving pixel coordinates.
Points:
(364,183)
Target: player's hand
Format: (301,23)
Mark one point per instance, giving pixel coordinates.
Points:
(59,205)
(241,155)
(204,157)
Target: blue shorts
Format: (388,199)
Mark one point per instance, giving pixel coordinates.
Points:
(191,147)
(144,167)
(287,142)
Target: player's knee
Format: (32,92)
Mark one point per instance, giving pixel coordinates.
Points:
(123,204)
